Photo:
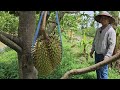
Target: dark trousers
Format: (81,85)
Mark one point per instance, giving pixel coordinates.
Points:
(102,73)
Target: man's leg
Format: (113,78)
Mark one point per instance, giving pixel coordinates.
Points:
(97,59)
(102,73)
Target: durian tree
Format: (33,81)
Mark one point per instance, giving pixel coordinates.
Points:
(22,42)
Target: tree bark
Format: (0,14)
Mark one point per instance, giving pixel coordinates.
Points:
(53,25)
(91,68)
(10,43)
(26,32)
(15,39)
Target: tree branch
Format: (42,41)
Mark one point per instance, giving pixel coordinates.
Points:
(53,25)
(61,14)
(91,68)
(11,37)
(10,43)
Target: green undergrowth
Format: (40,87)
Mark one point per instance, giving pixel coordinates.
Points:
(72,59)
(8,64)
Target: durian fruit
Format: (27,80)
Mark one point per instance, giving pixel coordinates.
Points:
(47,55)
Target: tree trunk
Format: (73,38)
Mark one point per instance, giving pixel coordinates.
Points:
(22,44)
(25,33)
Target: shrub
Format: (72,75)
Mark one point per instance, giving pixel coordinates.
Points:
(8,22)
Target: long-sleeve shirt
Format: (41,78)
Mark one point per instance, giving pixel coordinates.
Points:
(104,42)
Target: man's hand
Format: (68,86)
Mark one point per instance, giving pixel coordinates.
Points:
(91,53)
(106,57)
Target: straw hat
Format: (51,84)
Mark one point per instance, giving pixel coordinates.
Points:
(104,13)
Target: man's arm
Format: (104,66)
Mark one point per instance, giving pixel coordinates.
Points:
(111,43)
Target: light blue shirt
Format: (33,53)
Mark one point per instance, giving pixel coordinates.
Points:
(104,42)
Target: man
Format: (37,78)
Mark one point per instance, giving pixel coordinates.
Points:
(104,42)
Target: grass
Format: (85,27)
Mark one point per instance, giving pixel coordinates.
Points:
(8,64)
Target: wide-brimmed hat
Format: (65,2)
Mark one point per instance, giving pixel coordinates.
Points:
(104,13)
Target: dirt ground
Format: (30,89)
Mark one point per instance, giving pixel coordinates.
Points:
(2,46)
